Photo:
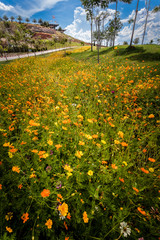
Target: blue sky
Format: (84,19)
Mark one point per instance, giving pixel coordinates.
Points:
(70,15)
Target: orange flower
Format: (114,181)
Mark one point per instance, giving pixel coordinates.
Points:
(124,144)
(11,128)
(151,116)
(13,150)
(66,238)
(121,179)
(69,216)
(58,146)
(114,166)
(16,169)
(23,143)
(65,224)
(49,223)
(20,186)
(141,211)
(45,193)
(63,209)
(0,186)
(25,217)
(9,229)
(33,124)
(135,189)
(60,196)
(94,136)
(85,217)
(144,170)
(151,159)
(144,150)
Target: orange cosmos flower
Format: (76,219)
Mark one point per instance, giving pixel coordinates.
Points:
(20,186)
(0,186)
(94,136)
(9,229)
(13,150)
(135,189)
(66,238)
(16,169)
(121,179)
(49,223)
(63,209)
(33,124)
(58,146)
(25,217)
(124,144)
(45,193)
(144,170)
(151,159)
(85,217)
(114,166)
(69,216)
(141,211)
(65,224)
(151,116)
(11,128)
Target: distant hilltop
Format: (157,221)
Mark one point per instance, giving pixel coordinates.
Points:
(28,37)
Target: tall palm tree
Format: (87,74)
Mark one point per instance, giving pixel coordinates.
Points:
(27,20)
(5,18)
(19,18)
(89,6)
(12,18)
(134,23)
(116,1)
(145,25)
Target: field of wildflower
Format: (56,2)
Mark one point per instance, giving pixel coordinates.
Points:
(79,147)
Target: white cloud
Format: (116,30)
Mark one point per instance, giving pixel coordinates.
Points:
(6,7)
(80,28)
(27,8)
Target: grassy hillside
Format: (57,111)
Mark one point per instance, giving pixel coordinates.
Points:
(80,144)
(16,37)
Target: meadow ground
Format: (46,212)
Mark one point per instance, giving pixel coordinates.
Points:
(79,145)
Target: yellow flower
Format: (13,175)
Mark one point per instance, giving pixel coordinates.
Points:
(125,163)
(81,143)
(10,155)
(79,154)
(116,142)
(90,173)
(50,142)
(102,141)
(63,209)
(49,223)
(120,134)
(9,229)
(68,168)
(151,169)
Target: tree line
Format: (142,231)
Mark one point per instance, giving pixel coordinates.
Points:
(27,20)
(96,14)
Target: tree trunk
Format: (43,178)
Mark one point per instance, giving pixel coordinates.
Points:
(134,23)
(146,21)
(91,35)
(115,23)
